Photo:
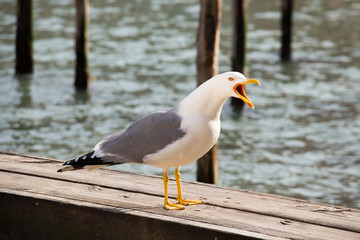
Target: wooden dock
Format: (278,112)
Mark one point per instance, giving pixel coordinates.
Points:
(36,202)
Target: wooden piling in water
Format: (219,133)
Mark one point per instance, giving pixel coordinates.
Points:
(208,40)
(239,43)
(82,23)
(286,29)
(24,37)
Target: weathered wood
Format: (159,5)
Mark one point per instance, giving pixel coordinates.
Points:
(207,170)
(110,204)
(208,40)
(286,29)
(239,43)
(82,35)
(24,37)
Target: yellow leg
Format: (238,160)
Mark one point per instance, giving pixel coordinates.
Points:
(179,198)
(167,204)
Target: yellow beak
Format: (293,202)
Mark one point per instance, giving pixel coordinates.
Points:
(239,89)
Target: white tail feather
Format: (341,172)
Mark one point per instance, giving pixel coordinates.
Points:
(66,168)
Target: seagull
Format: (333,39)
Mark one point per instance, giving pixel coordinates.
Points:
(171,138)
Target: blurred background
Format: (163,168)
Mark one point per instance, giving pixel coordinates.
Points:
(302,139)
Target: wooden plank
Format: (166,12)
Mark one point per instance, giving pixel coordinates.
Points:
(150,204)
(87,224)
(264,204)
(231,210)
(344,218)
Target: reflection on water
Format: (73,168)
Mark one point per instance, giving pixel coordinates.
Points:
(24,88)
(302,139)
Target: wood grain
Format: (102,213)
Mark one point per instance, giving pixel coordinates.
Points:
(237,212)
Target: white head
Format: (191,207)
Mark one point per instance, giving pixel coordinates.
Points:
(232,84)
(210,96)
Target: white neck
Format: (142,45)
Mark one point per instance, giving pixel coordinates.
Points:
(204,100)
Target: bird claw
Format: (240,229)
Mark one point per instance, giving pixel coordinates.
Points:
(173,206)
(189,202)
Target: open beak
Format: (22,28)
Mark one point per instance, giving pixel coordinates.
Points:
(239,89)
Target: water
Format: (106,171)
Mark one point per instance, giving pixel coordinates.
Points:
(302,140)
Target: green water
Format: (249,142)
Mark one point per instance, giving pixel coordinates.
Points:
(302,140)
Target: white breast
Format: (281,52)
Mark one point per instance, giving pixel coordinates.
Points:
(201,135)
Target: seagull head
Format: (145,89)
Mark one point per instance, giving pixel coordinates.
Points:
(210,96)
(235,84)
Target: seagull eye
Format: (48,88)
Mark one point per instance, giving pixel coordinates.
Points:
(231,79)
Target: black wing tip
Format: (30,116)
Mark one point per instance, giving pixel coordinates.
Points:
(86,159)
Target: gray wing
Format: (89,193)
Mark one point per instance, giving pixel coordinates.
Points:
(145,136)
